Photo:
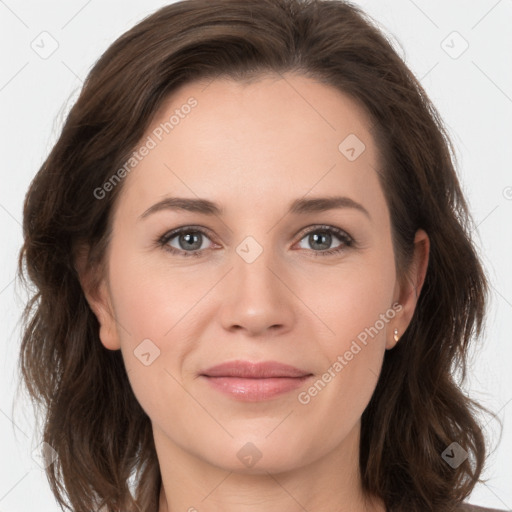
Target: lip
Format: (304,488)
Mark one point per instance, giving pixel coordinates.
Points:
(258,370)
(253,382)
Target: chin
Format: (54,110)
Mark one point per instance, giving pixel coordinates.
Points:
(258,455)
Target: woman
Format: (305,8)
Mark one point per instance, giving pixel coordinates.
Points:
(265,372)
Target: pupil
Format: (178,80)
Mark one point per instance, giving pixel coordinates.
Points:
(190,240)
(316,237)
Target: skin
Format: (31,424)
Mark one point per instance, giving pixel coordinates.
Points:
(254,148)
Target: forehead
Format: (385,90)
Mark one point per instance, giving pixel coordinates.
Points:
(268,141)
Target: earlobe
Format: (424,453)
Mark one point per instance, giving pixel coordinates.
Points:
(392,340)
(101,306)
(410,290)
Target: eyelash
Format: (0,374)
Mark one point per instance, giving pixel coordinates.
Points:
(347,240)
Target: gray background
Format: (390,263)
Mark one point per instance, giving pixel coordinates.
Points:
(472,88)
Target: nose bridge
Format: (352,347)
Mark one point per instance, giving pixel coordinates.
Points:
(253,265)
(258,298)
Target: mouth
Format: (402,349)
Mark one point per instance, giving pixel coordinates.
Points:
(253,382)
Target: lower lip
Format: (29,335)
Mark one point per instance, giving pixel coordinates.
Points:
(254,390)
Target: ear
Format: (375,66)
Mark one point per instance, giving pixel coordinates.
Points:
(408,292)
(95,286)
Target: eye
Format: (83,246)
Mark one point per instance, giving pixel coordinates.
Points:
(321,237)
(189,241)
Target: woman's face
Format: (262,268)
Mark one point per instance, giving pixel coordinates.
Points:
(267,274)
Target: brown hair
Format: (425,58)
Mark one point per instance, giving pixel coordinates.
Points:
(92,419)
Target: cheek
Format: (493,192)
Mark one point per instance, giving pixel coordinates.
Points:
(359,313)
(153,313)
(153,316)
(149,299)
(358,309)
(353,299)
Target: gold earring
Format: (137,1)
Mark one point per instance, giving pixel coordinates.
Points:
(395,335)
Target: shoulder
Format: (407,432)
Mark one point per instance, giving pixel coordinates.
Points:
(466,507)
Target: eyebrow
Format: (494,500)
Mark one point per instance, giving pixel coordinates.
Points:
(300,206)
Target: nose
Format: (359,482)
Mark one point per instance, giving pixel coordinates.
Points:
(260,298)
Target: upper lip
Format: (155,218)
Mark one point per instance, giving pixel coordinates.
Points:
(258,370)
